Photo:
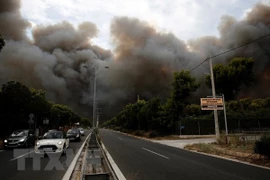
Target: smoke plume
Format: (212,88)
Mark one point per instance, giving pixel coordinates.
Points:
(61,58)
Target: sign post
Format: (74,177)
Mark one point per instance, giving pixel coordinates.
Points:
(217,103)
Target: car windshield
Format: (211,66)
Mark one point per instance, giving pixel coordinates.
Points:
(72,131)
(20,133)
(53,135)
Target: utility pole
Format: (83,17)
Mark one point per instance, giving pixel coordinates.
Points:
(94,97)
(214,96)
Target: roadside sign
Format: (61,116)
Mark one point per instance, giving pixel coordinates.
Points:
(211,103)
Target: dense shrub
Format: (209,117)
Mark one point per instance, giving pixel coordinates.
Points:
(263,146)
(138,133)
(152,134)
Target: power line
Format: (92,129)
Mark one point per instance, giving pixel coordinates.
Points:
(232,49)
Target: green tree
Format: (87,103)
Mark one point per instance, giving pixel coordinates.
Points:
(61,115)
(2,42)
(39,105)
(86,122)
(192,110)
(148,115)
(183,85)
(14,98)
(229,79)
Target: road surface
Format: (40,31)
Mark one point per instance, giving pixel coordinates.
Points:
(144,160)
(12,166)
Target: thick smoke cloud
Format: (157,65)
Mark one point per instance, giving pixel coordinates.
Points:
(61,57)
(64,36)
(146,58)
(12,25)
(59,60)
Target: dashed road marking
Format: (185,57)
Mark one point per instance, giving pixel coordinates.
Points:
(156,153)
(18,157)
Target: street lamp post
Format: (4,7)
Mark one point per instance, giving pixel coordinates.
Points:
(94,93)
(94,97)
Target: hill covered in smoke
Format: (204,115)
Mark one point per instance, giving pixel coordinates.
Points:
(60,58)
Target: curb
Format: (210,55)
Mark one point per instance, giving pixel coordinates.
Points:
(229,159)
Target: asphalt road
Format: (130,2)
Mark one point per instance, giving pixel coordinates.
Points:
(19,164)
(143,160)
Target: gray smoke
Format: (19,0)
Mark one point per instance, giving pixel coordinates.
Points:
(61,57)
(12,25)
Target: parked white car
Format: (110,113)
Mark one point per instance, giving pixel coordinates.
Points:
(52,142)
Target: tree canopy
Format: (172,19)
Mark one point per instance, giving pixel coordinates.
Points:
(229,79)
(17,102)
(183,85)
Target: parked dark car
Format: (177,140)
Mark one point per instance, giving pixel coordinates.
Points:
(74,135)
(20,138)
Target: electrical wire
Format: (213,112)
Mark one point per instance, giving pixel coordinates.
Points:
(232,49)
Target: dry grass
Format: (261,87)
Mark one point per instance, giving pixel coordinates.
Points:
(243,152)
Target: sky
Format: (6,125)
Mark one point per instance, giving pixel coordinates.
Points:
(186,19)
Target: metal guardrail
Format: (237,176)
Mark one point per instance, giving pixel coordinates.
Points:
(114,176)
(71,173)
(91,162)
(96,165)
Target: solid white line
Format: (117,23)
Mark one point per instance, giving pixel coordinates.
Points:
(116,169)
(155,153)
(229,159)
(18,157)
(74,161)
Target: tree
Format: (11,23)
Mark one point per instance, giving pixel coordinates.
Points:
(14,98)
(183,85)
(39,105)
(148,115)
(86,122)
(229,79)
(61,115)
(193,110)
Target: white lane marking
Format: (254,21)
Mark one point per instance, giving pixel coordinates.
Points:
(120,138)
(18,157)
(1,150)
(115,168)
(69,171)
(155,153)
